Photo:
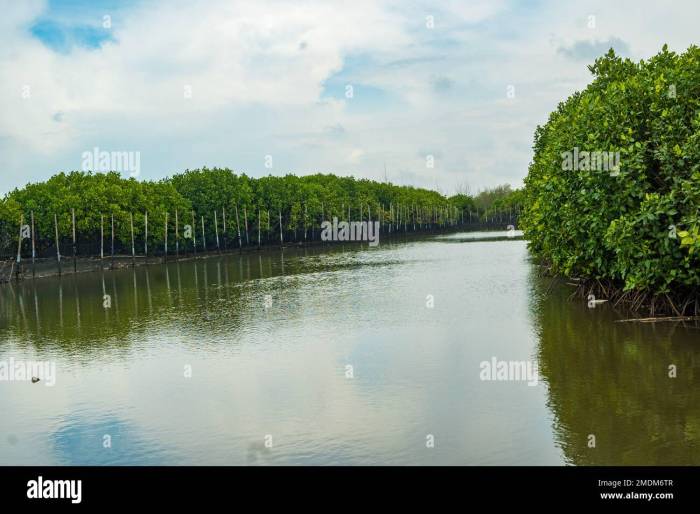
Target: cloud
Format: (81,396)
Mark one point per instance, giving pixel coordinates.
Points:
(442,84)
(336,130)
(591,50)
(192,83)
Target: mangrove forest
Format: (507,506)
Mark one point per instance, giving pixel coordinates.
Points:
(612,197)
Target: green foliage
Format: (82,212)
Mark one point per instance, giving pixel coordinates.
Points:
(501,198)
(93,195)
(463,201)
(301,201)
(637,224)
(495,198)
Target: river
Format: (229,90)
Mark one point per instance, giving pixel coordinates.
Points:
(346,355)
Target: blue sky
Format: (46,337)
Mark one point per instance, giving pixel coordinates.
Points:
(270,79)
(62,38)
(66,24)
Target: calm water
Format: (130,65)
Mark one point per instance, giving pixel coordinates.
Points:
(353,355)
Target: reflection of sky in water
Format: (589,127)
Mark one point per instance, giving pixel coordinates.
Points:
(370,359)
(80,442)
(477,236)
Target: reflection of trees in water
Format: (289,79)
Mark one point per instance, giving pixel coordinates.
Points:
(192,299)
(612,380)
(68,314)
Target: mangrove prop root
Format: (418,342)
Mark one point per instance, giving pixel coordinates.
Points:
(679,306)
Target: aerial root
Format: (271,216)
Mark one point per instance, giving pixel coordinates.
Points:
(681,305)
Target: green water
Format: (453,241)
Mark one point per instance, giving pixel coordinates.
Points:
(347,355)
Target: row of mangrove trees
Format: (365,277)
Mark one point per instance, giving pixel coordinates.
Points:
(223,201)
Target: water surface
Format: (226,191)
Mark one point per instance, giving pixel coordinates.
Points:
(342,355)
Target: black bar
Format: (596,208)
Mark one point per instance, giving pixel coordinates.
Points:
(531,487)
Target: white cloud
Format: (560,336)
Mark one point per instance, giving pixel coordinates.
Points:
(257,72)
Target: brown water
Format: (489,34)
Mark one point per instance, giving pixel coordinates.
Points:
(348,355)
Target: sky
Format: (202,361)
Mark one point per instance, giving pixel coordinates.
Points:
(445,95)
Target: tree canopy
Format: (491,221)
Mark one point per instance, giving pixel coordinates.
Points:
(301,201)
(636,223)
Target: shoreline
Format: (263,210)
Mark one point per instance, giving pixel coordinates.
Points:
(679,305)
(47,267)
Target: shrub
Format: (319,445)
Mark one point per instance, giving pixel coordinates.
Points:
(636,225)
